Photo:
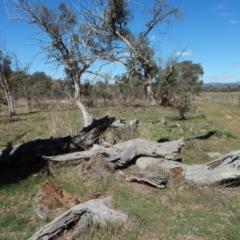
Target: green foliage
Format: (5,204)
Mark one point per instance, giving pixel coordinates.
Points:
(179,84)
(5,64)
(117,15)
(142,64)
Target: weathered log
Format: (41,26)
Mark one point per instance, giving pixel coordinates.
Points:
(71,223)
(88,154)
(219,171)
(124,153)
(77,155)
(30,152)
(90,134)
(156,179)
(125,123)
(133,149)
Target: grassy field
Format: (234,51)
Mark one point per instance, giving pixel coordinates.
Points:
(183,210)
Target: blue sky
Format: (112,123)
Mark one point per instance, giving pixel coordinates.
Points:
(209,34)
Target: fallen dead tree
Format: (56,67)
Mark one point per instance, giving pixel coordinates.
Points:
(33,151)
(84,146)
(72,223)
(223,170)
(144,153)
(124,153)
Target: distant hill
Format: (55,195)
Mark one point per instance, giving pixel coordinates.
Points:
(220,84)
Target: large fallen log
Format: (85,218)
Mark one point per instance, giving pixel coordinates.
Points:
(124,153)
(223,170)
(72,222)
(133,149)
(30,152)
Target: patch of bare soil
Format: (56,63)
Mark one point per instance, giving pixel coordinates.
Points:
(228,116)
(189,237)
(52,200)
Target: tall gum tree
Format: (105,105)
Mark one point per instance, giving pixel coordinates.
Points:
(5,76)
(69,43)
(116,16)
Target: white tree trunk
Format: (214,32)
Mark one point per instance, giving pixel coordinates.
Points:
(77,91)
(88,119)
(8,95)
(150,95)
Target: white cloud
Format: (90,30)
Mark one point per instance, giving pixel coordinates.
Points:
(185,53)
(220,6)
(222,11)
(233,21)
(224,14)
(152,37)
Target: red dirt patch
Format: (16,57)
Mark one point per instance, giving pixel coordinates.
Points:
(52,197)
(176,171)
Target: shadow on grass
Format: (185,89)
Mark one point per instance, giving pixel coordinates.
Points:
(18,137)
(188,118)
(162,140)
(15,174)
(5,121)
(202,137)
(231,183)
(21,161)
(206,136)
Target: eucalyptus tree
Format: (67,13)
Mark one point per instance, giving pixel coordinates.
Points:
(179,85)
(5,77)
(21,82)
(116,17)
(68,43)
(141,71)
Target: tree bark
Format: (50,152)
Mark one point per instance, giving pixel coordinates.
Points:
(223,170)
(156,179)
(72,223)
(8,95)
(88,119)
(125,153)
(133,149)
(77,92)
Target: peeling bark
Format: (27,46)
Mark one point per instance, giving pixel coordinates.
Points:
(133,149)
(71,224)
(125,153)
(219,171)
(155,179)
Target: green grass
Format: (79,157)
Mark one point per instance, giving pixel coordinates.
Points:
(181,211)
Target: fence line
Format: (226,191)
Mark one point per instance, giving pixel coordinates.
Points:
(226,99)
